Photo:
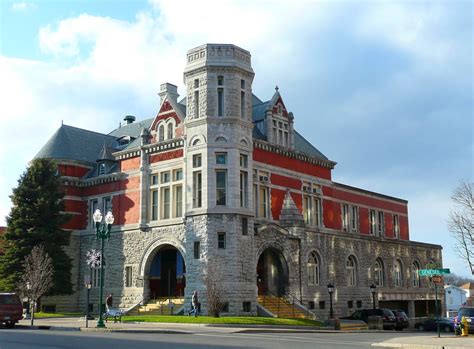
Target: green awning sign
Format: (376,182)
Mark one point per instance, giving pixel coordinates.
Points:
(431,272)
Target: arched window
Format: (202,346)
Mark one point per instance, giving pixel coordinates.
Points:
(378,273)
(161,133)
(398,274)
(351,270)
(313,269)
(170,131)
(415,277)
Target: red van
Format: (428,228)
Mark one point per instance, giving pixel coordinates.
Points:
(11,310)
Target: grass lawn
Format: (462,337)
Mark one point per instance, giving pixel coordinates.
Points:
(251,320)
(42,315)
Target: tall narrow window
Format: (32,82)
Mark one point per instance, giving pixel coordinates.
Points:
(221,187)
(318,212)
(170,131)
(351,271)
(197,160)
(313,269)
(197,189)
(161,133)
(101,169)
(415,267)
(244,160)
(372,222)
(221,240)
(154,205)
(263,202)
(398,274)
(245,226)
(165,202)
(178,200)
(396,226)
(308,210)
(354,218)
(378,273)
(242,98)
(197,250)
(345,217)
(381,224)
(220,96)
(107,204)
(94,205)
(196,98)
(128,277)
(243,189)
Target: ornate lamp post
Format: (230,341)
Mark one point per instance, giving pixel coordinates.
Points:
(330,290)
(102,232)
(373,290)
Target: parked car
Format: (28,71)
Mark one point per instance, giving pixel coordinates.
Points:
(401,319)
(387,316)
(445,324)
(11,310)
(468,312)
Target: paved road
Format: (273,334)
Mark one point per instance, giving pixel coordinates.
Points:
(32,339)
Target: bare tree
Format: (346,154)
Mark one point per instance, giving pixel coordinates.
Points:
(461,222)
(215,290)
(37,278)
(456,280)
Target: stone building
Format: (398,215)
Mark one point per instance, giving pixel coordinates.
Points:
(220,185)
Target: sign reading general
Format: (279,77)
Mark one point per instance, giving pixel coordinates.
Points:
(431,272)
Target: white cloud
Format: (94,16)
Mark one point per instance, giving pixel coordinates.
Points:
(23,6)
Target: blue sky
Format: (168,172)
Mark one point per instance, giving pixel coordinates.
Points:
(382,87)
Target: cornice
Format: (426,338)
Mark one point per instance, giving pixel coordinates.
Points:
(259,144)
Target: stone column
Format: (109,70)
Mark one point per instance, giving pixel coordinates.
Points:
(411,309)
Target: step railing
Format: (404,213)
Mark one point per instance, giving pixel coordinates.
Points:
(281,303)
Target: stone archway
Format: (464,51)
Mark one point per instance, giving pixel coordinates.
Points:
(272,272)
(164,271)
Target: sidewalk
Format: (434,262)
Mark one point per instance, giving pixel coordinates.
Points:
(432,342)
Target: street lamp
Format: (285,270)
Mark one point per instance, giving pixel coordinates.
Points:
(102,232)
(330,290)
(373,290)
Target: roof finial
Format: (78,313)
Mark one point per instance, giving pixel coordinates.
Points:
(62,123)
(276,88)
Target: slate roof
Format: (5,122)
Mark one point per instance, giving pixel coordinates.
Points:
(72,143)
(133,129)
(302,145)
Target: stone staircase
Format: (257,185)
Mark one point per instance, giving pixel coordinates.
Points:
(160,306)
(281,307)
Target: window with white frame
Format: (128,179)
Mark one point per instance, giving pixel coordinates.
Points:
(261,193)
(345,217)
(373,222)
(166,195)
(161,133)
(128,276)
(318,217)
(197,189)
(96,276)
(93,205)
(244,188)
(308,212)
(313,269)
(280,132)
(378,273)
(398,279)
(221,187)
(354,218)
(380,224)
(415,277)
(396,226)
(170,131)
(106,204)
(351,271)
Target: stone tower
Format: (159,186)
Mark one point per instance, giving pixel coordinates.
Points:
(219,205)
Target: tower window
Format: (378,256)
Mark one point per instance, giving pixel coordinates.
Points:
(221,240)
(221,187)
(220,96)
(197,250)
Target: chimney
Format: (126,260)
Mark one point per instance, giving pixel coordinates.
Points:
(129,119)
(170,90)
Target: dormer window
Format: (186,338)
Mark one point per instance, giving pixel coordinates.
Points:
(102,169)
(280,133)
(170,131)
(124,141)
(161,133)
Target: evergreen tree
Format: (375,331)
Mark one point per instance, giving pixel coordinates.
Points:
(36,219)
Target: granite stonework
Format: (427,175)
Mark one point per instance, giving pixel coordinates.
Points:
(287,238)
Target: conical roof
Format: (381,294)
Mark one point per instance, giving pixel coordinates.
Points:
(290,216)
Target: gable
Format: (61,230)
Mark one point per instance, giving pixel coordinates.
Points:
(279,108)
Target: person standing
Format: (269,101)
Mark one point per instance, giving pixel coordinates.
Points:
(195,304)
(109,301)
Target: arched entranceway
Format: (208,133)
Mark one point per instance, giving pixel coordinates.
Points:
(272,273)
(166,273)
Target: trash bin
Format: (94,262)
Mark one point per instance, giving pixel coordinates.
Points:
(375,322)
(337,324)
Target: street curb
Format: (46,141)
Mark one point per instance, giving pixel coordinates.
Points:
(123,330)
(421,346)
